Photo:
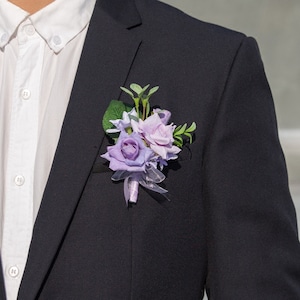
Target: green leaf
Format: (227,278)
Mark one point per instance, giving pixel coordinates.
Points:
(136,88)
(181,130)
(113,112)
(145,87)
(153,90)
(178,141)
(177,128)
(189,136)
(127,91)
(192,128)
(178,138)
(178,144)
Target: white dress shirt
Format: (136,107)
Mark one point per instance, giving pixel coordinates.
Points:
(39,56)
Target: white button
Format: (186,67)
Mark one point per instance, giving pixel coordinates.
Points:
(4,37)
(25,94)
(13,271)
(56,40)
(19,180)
(29,30)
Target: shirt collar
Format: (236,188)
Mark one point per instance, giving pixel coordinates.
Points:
(57,23)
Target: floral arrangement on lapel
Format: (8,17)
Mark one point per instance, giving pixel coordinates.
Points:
(144,141)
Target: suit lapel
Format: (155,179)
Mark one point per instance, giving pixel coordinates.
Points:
(107,55)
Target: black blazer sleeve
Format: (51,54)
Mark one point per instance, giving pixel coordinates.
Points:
(253,249)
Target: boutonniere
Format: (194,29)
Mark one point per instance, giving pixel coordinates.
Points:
(144,141)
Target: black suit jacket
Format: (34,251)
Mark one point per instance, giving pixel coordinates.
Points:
(230,226)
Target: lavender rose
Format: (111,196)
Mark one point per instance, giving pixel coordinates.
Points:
(164,115)
(158,135)
(128,154)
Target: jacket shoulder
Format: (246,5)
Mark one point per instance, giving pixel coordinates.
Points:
(167,22)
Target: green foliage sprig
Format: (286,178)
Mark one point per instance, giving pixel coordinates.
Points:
(141,98)
(181,131)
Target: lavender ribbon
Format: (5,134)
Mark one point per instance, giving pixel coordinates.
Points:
(148,179)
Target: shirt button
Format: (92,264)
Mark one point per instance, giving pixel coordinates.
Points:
(25,94)
(13,271)
(4,38)
(57,40)
(29,30)
(19,180)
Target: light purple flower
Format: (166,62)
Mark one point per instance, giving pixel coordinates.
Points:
(128,154)
(164,115)
(158,135)
(122,124)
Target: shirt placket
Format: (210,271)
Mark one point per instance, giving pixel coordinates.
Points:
(23,138)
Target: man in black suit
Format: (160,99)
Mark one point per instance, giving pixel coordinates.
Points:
(230,224)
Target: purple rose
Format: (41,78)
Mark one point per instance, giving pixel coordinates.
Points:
(158,135)
(128,154)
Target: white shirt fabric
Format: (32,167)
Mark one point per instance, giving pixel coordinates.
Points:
(39,56)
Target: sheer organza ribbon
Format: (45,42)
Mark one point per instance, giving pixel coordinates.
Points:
(148,179)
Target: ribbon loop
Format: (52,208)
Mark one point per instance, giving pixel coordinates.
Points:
(147,179)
